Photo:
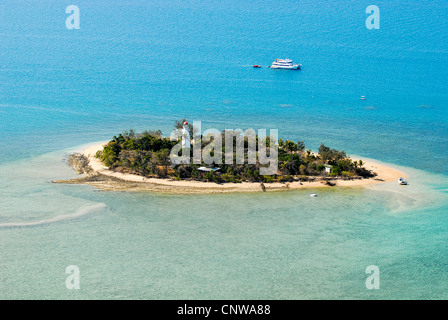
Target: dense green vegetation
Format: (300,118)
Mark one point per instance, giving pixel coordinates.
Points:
(147,154)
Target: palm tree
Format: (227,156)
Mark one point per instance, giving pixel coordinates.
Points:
(360,163)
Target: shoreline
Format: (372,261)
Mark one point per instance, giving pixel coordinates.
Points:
(107,180)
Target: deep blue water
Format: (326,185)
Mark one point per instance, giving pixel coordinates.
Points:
(141,65)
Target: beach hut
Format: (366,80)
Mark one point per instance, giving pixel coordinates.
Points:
(328,168)
(205,169)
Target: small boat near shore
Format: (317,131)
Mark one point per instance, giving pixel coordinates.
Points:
(402,182)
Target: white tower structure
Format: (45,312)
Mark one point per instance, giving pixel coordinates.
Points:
(185,136)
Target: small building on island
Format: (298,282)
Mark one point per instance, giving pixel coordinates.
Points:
(205,169)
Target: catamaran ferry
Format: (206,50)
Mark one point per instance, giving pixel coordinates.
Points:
(285,64)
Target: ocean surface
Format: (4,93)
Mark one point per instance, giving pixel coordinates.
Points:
(143,65)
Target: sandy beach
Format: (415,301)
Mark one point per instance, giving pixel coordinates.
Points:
(108,180)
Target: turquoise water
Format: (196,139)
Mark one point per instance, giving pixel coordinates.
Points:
(144,65)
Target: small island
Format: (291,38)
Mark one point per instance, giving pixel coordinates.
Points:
(144,162)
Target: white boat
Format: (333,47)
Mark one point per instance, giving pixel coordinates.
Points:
(313,195)
(285,64)
(363,97)
(402,182)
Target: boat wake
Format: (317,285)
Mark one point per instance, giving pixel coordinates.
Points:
(79,213)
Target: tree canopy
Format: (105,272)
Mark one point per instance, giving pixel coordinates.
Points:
(148,154)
